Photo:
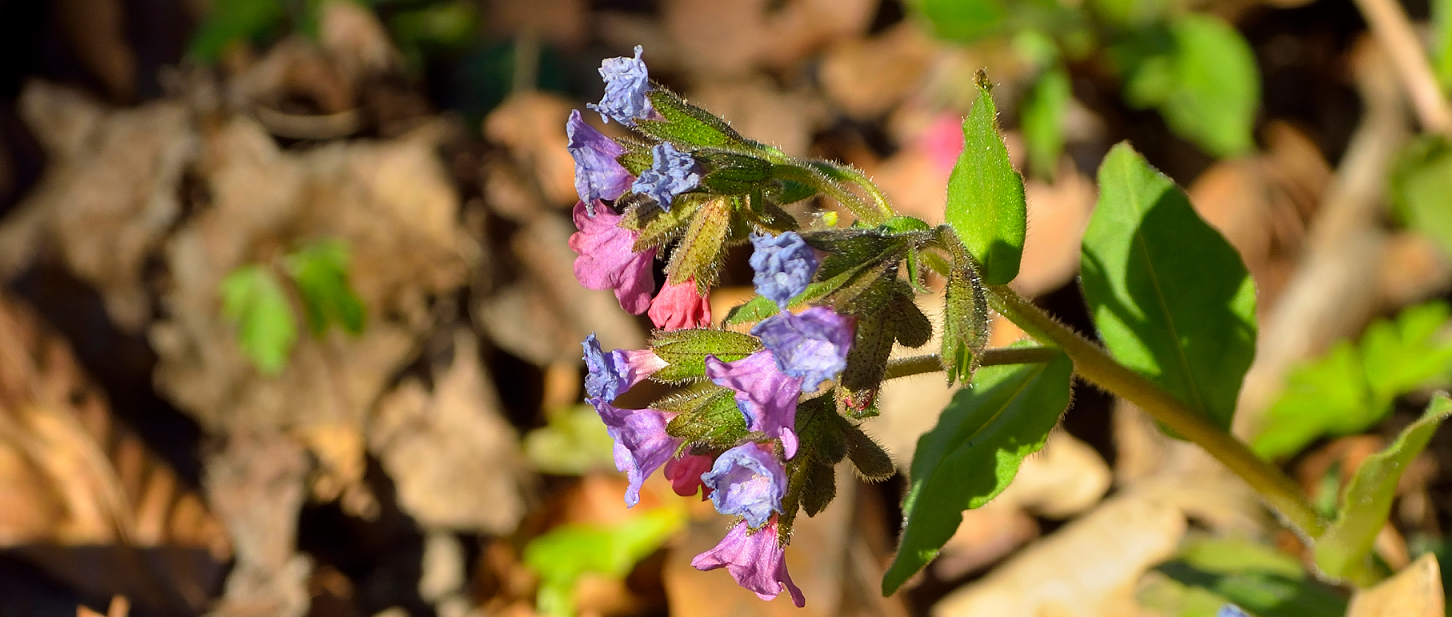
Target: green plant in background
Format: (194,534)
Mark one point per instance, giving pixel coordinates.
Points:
(1352,387)
(256,302)
(1195,69)
(1208,573)
(564,554)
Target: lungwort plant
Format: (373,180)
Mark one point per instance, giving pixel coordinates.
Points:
(761,419)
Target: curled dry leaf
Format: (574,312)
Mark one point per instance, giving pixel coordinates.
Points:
(532,126)
(1413,592)
(732,38)
(867,77)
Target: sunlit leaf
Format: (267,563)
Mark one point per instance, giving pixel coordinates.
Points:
(1344,551)
(974,452)
(574,442)
(1421,189)
(568,551)
(1043,120)
(986,206)
(1210,574)
(1442,41)
(254,301)
(1171,298)
(320,271)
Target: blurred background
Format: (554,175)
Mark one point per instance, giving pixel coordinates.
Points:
(289,327)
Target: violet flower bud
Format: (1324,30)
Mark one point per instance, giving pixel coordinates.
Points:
(612,373)
(755,559)
(747,481)
(607,259)
(597,174)
(784,265)
(766,397)
(641,443)
(811,345)
(626,82)
(671,173)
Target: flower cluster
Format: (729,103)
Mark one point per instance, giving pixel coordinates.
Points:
(685,186)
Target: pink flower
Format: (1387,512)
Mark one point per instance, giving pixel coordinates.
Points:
(766,396)
(607,259)
(685,474)
(678,307)
(755,559)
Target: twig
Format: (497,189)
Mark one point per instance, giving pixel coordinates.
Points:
(1392,29)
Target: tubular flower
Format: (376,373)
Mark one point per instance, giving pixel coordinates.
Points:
(617,371)
(607,260)
(755,559)
(641,443)
(747,481)
(766,396)
(597,174)
(678,307)
(685,474)
(626,82)
(671,173)
(811,345)
(784,265)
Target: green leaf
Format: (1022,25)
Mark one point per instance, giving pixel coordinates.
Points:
(235,20)
(1352,387)
(1344,551)
(254,301)
(963,20)
(568,551)
(1171,298)
(1210,572)
(1201,75)
(435,27)
(574,442)
(974,452)
(986,206)
(1043,120)
(1421,189)
(1442,42)
(1131,13)
(320,271)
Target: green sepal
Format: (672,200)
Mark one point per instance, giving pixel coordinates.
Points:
(866,364)
(819,431)
(700,251)
(819,488)
(715,422)
(871,461)
(688,125)
(637,157)
(965,324)
(685,351)
(910,326)
(730,173)
(656,226)
(789,191)
(690,398)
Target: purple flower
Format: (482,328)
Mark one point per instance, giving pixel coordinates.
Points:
(747,481)
(1231,610)
(766,396)
(607,259)
(755,559)
(597,174)
(811,345)
(626,82)
(641,443)
(671,173)
(784,264)
(613,373)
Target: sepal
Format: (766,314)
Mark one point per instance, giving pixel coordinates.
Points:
(685,351)
(965,323)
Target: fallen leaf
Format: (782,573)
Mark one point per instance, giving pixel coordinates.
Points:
(1413,592)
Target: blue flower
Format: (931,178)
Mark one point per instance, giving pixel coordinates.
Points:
(784,264)
(748,482)
(597,174)
(615,372)
(1231,610)
(671,173)
(811,345)
(641,443)
(626,82)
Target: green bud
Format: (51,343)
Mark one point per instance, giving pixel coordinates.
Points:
(656,226)
(700,251)
(689,126)
(965,323)
(685,351)
(717,422)
(866,362)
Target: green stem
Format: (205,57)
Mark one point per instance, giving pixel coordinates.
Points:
(1095,365)
(850,173)
(820,177)
(930,363)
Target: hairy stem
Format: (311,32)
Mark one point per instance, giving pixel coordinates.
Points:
(869,214)
(930,363)
(1095,365)
(855,176)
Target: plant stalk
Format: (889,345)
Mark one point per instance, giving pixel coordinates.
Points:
(930,363)
(1095,365)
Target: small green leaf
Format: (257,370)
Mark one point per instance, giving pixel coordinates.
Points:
(1421,189)
(1043,120)
(1344,551)
(254,301)
(1210,572)
(1131,13)
(685,351)
(568,551)
(1171,298)
(574,442)
(963,20)
(320,271)
(986,207)
(974,452)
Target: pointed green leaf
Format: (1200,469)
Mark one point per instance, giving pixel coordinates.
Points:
(1171,298)
(1344,551)
(567,551)
(1209,572)
(253,300)
(986,207)
(320,271)
(974,452)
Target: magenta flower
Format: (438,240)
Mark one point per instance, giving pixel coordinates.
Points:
(685,474)
(612,373)
(641,443)
(607,260)
(747,481)
(755,559)
(678,307)
(597,174)
(766,396)
(811,345)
